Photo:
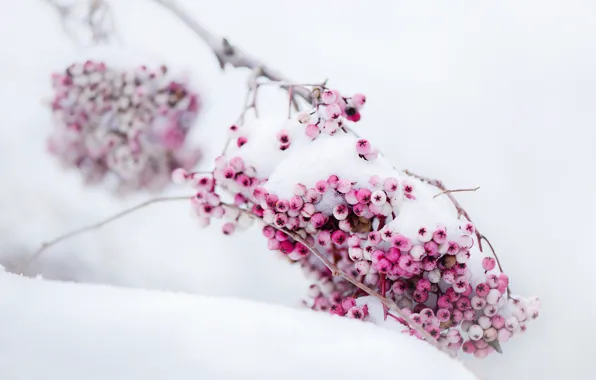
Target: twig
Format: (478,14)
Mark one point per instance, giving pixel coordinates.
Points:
(460,212)
(97,225)
(456,191)
(224,51)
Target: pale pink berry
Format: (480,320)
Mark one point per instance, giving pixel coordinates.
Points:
(493,296)
(372,155)
(417,252)
(355,253)
(443,315)
(318,220)
(299,190)
(321,186)
(482,289)
(359,100)
(460,284)
(475,332)
(498,321)
(332,111)
(340,212)
(332,181)
(434,276)
(511,323)
(343,186)
(401,242)
(484,322)
(268,232)
(468,228)
(282,205)
(431,248)
(328,97)
(452,247)
(351,197)
(462,257)
(237,163)
(303,117)
(378,198)
(469,347)
(330,127)
(440,234)
(488,263)
(273,244)
(503,335)
(362,267)
(348,303)
(312,131)
(313,196)
(363,195)
(393,254)
(308,210)
(179,176)
(363,147)
(354,241)
(478,303)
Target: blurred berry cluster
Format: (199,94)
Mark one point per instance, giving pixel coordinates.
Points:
(127,127)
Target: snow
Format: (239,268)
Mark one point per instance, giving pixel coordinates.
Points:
(67,331)
(496,94)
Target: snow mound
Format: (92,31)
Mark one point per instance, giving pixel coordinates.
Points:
(74,331)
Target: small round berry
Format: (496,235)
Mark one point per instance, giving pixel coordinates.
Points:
(359,100)
(498,321)
(363,195)
(312,131)
(363,147)
(303,117)
(330,127)
(478,303)
(492,298)
(179,176)
(241,141)
(343,186)
(328,97)
(321,186)
(378,198)
(362,267)
(467,228)
(434,276)
(417,252)
(475,332)
(489,263)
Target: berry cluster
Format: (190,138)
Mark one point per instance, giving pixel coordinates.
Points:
(330,112)
(357,226)
(131,125)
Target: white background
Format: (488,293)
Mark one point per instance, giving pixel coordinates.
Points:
(497,94)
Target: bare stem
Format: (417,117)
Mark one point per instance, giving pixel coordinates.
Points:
(456,191)
(460,212)
(98,225)
(224,51)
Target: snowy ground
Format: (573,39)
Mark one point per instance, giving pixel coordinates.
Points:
(499,95)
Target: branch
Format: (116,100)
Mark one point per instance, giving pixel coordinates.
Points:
(335,271)
(460,212)
(97,225)
(456,191)
(225,52)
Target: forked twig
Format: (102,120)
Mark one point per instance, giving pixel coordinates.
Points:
(456,191)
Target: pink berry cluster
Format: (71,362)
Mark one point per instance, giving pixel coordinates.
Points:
(129,125)
(355,225)
(330,112)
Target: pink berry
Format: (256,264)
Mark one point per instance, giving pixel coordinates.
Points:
(312,131)
(179,176)
(489,263)
(363,147)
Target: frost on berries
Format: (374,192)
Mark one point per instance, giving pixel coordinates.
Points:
(128,125)
(382,227)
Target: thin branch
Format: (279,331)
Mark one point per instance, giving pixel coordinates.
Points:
(224,51)
(98,225)
(460,212)
(456,191)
